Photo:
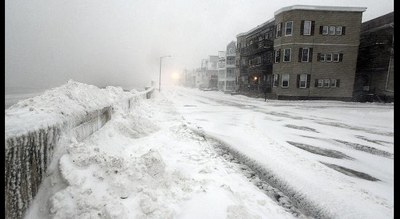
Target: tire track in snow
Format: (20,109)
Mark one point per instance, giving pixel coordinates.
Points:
(290,199)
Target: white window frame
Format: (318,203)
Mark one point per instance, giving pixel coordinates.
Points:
(275,80)
(333,83)
(320,82)
(286,28)
(325,30)
(322,57)
(333,57)
(284,54)
(308,54)
(339,30)
(284,79)
(327,82)
(328,55)
(303,78)
(332,30)
(308,25)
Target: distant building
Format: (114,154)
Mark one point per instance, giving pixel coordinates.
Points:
(230,76)
(189,79)
(255,58)
(221,70)
(375,73)
(212,72)
(209,73)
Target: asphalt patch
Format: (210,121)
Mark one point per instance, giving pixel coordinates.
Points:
(321,151)
(350,172)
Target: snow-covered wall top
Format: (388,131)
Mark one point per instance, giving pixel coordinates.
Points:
(70,102)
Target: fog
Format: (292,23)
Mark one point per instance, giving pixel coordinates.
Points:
(119,42)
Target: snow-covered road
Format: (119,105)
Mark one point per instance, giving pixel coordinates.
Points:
(330,156)
(192,154)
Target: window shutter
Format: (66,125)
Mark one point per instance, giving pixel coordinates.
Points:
(312,27)
(298,80)
(340,57)
(343,30)
(316,83)
(308,80)
(337,82)
(300,53)
(318,57)
(310,54)
(320,29)
(302,27)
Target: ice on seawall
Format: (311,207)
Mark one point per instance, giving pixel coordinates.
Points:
(28,155)
(26,160)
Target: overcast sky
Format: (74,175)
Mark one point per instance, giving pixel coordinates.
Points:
(119,42)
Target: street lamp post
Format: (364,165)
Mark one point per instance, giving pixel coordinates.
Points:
(159,79)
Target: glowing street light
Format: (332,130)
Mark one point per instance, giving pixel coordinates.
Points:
(159,79)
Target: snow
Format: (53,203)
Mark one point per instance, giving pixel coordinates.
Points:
(192,154)
(69,102)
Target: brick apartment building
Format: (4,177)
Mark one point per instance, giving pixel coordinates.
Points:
(375,73)
(254,58)
(314,53)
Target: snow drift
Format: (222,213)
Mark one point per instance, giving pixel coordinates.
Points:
(33,128)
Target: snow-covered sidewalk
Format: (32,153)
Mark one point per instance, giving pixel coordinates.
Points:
(149,164)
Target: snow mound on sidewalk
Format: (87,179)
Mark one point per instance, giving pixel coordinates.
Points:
(69,101)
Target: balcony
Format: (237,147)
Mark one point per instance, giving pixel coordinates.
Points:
(257,48)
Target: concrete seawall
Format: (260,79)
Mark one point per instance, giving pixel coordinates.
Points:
(28,155)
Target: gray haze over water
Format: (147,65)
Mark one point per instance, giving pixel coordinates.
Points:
(119,42)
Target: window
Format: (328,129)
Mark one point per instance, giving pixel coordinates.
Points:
(303,81)
(324,30)
(288,28)
(333,82)
(305,54)
(332,30)
(285,80)
(322,57)
(286,55)
(278,30)
(320,82)
(329,57)
(339,30)
(277,55)
(276,80)
(336,57)
(307,28)
(327,82)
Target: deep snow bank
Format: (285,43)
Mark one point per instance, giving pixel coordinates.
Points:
(33,128)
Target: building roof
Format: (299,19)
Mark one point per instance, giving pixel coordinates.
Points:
(384,21)
(320,8)
(255,28)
